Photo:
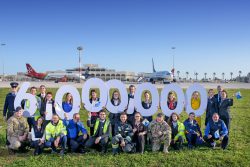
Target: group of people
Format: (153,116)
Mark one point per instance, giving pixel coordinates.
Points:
(128,133)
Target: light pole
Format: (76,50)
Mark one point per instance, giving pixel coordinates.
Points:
(3,44)
(79,48)
(173,48)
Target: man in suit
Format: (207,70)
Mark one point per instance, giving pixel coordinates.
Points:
(131,95)
(218,95)
(211,106)
(42,94)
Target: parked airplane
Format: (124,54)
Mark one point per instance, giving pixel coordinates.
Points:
(57,76)
(164,76)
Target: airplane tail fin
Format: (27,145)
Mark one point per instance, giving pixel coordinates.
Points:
(153,64)
(30,70)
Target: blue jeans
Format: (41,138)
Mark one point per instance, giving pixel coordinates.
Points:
(62,143)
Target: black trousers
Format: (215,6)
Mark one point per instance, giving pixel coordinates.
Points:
(38,148)
(140,143)
(226,121)
(178,144)
(77,143)
(191,138)
(103,143)
(224,142)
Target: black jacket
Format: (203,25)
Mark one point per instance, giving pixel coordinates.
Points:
(224,108)
(43,108)
(8,109)
(212,107)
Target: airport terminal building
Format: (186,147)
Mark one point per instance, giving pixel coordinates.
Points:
(104,73)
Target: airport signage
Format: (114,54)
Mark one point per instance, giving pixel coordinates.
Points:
(159,100)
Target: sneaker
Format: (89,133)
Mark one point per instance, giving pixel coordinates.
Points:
(53,152)
(190,146)
(213,145)
(11,151)
(62,152)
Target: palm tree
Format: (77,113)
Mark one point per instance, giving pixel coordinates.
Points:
(178,74)
(214,74)
(223,75)
(196,74)
(205,74)
(187,73)
(231,73)
(240,72)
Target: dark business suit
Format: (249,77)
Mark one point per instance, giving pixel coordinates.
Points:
(131,116)
(217,97)
(212,107)
(43,99)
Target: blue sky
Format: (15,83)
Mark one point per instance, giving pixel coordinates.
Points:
(209,36)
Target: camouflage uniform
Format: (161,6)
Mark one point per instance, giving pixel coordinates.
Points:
(16,127)
(123,132)
(154,129)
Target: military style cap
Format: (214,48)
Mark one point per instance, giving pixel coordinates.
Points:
(13,84)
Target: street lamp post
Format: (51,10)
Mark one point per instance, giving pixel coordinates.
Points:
(173,48)
(3,44)
(79,48)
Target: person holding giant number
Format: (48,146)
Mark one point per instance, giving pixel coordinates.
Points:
(171,102)
(95,101)
(67,105)
(178,131)
(224,108)
(195,104)
(102,133)
(216,130)
(17,131)
(146,104)
(131,95)
(115,117)
(49,100)
(74,126)
(56,135)
(26,105)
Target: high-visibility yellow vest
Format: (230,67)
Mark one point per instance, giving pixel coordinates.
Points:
(52,131)
(181,131)
(105,128)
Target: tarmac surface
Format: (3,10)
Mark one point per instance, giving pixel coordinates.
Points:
(182,85)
